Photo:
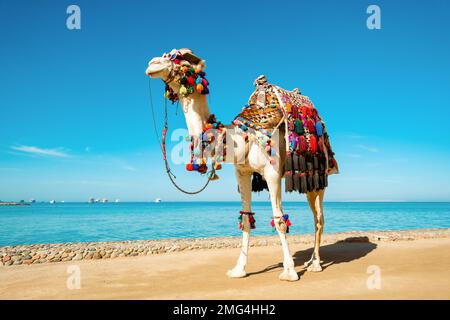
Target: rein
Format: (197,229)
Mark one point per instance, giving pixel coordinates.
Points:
(162,143)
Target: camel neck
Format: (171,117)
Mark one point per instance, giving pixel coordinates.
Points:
(196,112)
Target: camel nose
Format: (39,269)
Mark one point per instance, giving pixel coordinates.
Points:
(153,66)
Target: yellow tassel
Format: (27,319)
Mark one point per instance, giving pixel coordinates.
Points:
(199,87)
(288,107)
(183,90)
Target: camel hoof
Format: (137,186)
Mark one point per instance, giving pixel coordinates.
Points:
(236,273)
(288,275)
(315,267)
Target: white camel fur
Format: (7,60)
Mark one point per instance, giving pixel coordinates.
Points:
(196,112)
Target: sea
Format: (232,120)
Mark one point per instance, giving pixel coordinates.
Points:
(41,223)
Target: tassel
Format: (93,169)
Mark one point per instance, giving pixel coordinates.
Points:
(322,161)
(319,128)
(287,222)
(288,107)
(303,146)
(298,127)
(311,126)
(303,183)
(295,158)
(316,163)
(296,183)
(251,219)
(309,163)
(272,223)
(313,143)
(288,162)
(310,182)
(321,181)
(214,177)
(316,181)
(288,181)
(302,163)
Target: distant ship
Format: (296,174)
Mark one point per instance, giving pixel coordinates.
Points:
(52,201)
(32,201)
(158,200)
(91,200)
(104,200)
(117,201)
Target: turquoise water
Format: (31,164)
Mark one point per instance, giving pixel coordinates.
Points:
(81,222)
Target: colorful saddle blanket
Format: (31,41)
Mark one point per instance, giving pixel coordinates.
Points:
(309,156)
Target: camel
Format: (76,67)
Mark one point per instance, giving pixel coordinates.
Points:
(196,111)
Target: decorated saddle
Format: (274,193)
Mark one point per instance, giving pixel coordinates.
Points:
(309,156)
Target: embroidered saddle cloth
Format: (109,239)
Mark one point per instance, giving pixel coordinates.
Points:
(309,156)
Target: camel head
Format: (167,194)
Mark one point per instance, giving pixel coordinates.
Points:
(182,72)
(168,66)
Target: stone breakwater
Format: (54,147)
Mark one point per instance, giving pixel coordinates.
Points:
(48,253)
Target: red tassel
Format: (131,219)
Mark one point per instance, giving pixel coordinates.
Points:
(313,143)
(303,146)
(311,126)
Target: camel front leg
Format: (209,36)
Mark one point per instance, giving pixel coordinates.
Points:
(273,179)
(245,188)
(315,200)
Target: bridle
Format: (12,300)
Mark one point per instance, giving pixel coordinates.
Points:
(162,141)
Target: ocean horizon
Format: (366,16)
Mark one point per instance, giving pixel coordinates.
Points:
(41,223)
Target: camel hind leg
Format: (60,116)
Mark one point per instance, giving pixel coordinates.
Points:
(315,200)
(273,179)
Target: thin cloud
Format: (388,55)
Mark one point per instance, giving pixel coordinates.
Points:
(41,151)
(368,148)
(352,155)
(129,168)
(353,136)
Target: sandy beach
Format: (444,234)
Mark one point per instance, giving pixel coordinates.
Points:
(412,265)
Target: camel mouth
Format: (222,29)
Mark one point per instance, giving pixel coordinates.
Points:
(153,69)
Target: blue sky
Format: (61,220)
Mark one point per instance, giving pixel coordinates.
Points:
(75,120)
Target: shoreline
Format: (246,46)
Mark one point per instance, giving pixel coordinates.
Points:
(62,252)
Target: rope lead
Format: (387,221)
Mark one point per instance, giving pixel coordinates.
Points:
(162,144)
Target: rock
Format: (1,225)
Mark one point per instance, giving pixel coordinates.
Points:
(6,258)
(8,263)
(17,262)
(96,256)
(64,255)
(28,262)
(77,257)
